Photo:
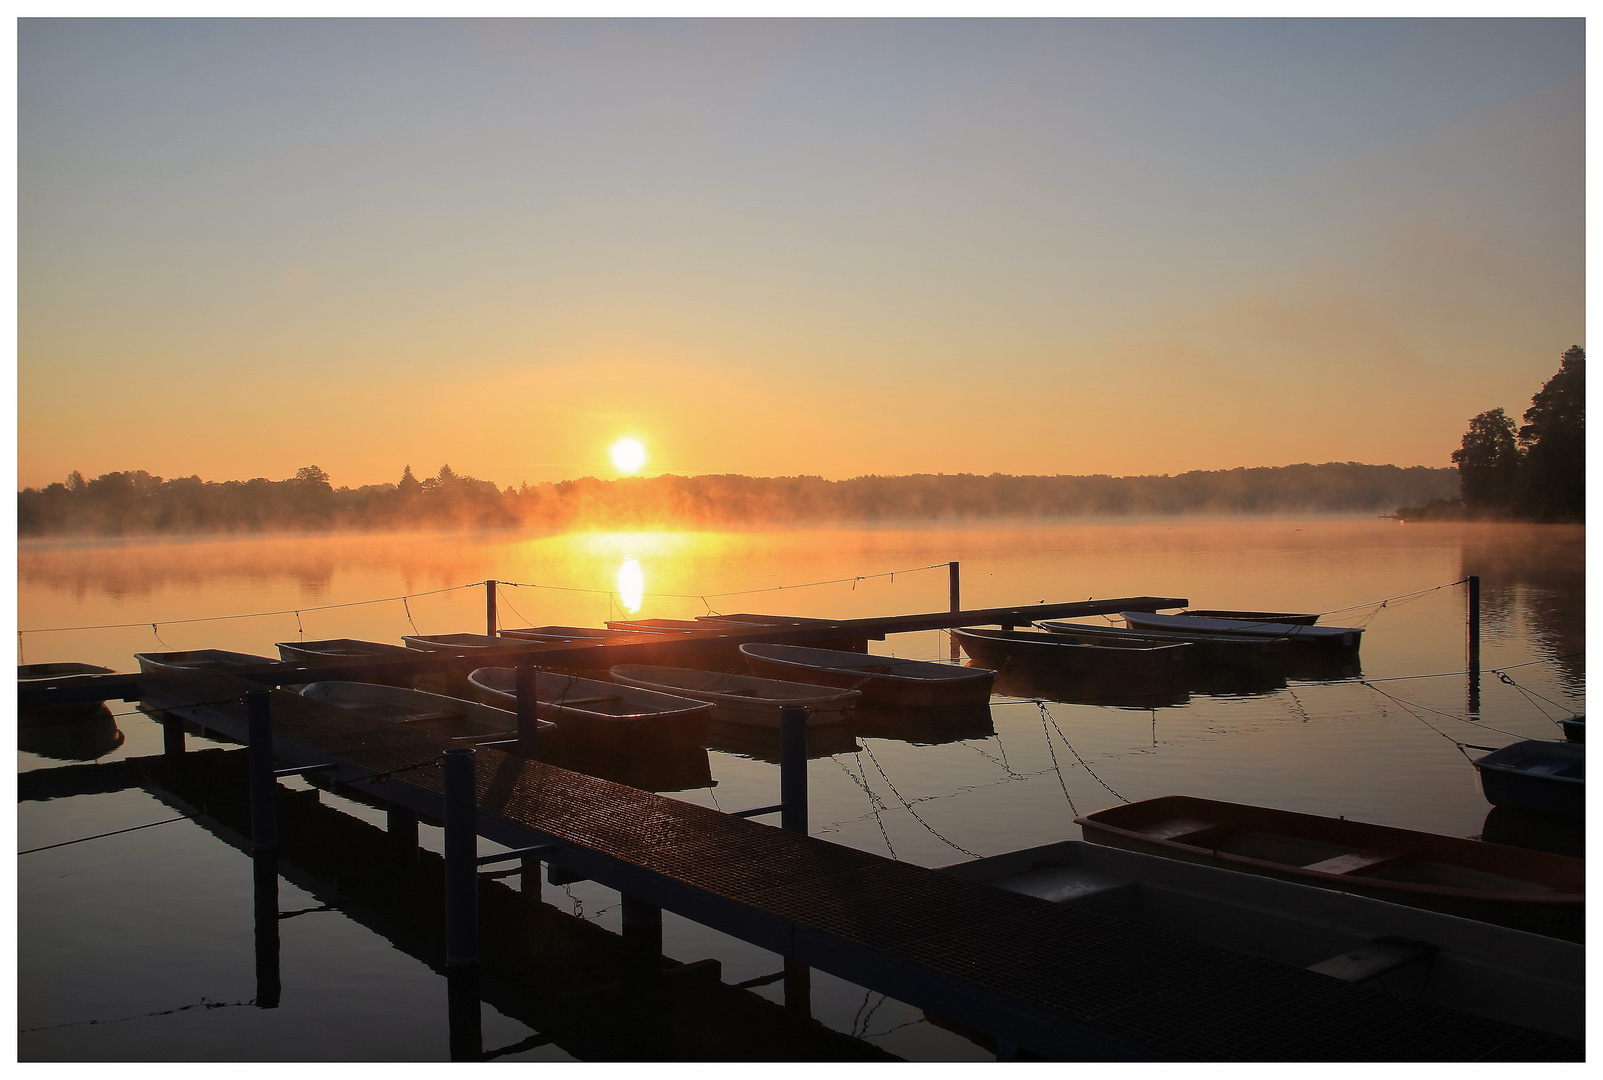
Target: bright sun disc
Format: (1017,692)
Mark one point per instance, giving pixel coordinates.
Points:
(628,455)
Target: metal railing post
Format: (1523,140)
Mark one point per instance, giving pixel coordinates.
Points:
(957,605)
(1474,643)
(528,712)
(793,768)
(263,784)
(461,860)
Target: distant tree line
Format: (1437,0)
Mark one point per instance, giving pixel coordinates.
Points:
(1536,472)
(127,503)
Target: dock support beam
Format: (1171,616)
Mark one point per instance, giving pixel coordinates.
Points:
(461,860)
(490,619)
(1474,643)
(263,784)
(793,768)
(951,581)
(528,713)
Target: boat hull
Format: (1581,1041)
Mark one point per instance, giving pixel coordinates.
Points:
(882,680)
(603,717)
(1323,637)
(1001,648)
(1538,777)
(741,699)
(1528,890)
(1472,967)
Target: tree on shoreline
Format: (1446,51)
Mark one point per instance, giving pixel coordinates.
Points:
(1535,474)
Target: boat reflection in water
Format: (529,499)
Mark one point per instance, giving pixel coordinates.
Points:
(1026,680)
(74,737)
(670,770)
(923,725)
(762,741)
(1536,832)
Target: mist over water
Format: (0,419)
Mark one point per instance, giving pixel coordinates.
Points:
(926,795)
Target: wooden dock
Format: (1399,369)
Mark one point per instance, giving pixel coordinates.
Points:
(1043,979)
(1046,979)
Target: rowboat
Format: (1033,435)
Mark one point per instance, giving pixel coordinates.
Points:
(448,642)
(454,718)
(1116,657)
(602,716)
(1528,890)
(1210,650)
(1538,777)
(1472,967)
(198,660)
(34,674)
(1335,637)
(1574,729)
(741,698)
(564,633)
(883,679)
(1292,618)
(350,650)
(338,648)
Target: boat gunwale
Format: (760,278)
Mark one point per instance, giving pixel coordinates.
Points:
(1090,824)
(841,698)
(968,675)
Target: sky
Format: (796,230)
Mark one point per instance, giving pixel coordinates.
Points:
(787,247)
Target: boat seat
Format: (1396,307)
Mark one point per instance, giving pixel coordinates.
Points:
(1373,960)
(1354,862)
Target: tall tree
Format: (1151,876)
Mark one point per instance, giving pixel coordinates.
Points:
(1488,463)
(1553,481)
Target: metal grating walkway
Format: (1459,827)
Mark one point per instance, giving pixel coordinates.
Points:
(1059,982)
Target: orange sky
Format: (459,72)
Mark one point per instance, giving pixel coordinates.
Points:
(780,248)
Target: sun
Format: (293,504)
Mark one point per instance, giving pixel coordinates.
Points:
(628,455)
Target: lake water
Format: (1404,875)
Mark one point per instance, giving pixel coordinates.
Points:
(139,946)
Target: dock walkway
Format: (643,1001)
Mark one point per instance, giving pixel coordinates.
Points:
(1045,978)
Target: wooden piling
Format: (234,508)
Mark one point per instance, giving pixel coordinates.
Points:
(263,784)
(528,712)
(1474,631)
(793,768)
(490,619)
(461,860)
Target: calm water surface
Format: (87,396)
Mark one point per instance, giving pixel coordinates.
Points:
(140,946)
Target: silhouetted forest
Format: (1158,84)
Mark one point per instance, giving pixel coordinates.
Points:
(1534,473)
(129,503)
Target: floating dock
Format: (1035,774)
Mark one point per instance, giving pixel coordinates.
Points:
(1043,979)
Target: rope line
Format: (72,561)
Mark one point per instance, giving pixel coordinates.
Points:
(703,597)
(909,806)
(1076,753)
(249,615)
(1377,604)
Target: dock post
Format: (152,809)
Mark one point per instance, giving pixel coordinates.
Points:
(490,620)
(401,824)
(528,721)
(172,734)
(1474,643)
(793,768)
(798,987)
(263,785)
(461,860)
(951,581)
(264,874)
(642,937)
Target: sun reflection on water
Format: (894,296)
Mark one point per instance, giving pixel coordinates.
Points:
(631,586)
